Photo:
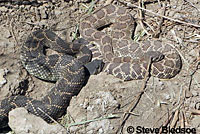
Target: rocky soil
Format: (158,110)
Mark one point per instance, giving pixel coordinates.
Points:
(107,104)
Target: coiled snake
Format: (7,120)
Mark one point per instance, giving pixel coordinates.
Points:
(132,60)
(70,74)
(130,63)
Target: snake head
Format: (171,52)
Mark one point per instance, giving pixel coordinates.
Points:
(95,67)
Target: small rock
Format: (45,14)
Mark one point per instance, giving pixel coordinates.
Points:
(37,12)
(195,93)
(161,85)
(57,12)
(21,122)
(195,122)
(103,127)
(197,105)
(167,96)
(43,14)
(3,81)
(28,7)
(42,23)
(4,35)
(3,9)
(193,52)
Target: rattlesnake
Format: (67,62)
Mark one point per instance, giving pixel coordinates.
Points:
(134,58)
(70,74)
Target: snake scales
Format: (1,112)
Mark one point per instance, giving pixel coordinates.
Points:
(70,74)
(131,61)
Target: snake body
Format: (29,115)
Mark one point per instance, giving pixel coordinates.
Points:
(69,73)
(68,67)
(132,59)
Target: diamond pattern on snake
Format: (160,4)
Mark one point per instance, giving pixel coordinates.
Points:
(69,68)
(133,59)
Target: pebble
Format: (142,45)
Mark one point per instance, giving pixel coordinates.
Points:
(3,81)
(57,12)
(195,93)
(43,14)
(3,9)
(193,52)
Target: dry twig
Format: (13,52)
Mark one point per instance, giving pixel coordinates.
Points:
(136,101)
(175,119)
(165,17)
(141,4)
(13,34)
(51,118)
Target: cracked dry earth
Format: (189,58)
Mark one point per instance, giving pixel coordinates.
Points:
(104,97)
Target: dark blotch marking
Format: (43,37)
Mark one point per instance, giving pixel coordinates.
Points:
(172,56)
(107,48)
(169,63)
(111,67)
(62,45)
(127,78)
(50,35)
(85,58)
(110,9)
(167,48)
(85,25)
(134,47)
(89,32)
(155,71)
(99,24)
(126,59)
(98,35)
(109,56)
(125,67)
(124,18)
(106,39)
(85,50)
(159,66)
(31,42)
(53,59)
(157,44)
(121,10)
(75,47)
(96,55)
(137,69)
(120,26)
(119,75)
(146,45)
(66,59)
(38,34)
(117,70)
(145,65)
(100,14)
(168,71)
(140,77)
(179,63)
(168,76)
(35,53)
(62,85)
(123,43)
(118,35)
(161,76)
(117,60)
(91,19)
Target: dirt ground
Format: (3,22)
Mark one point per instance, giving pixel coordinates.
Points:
(107,104)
